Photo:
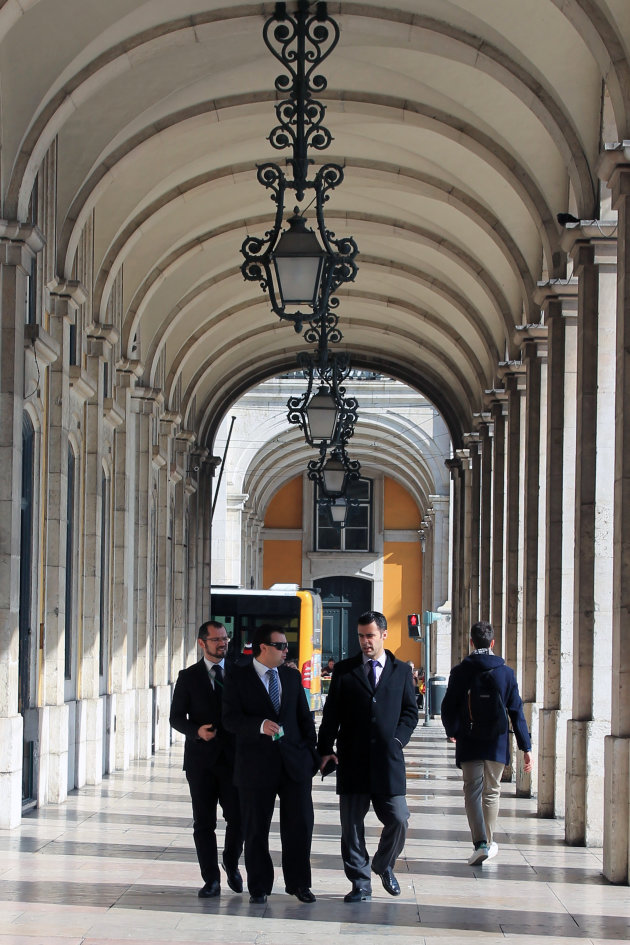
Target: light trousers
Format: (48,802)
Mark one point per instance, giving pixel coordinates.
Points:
(482,792)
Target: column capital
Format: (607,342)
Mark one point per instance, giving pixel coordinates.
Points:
(146,399)
(597,234)
(70,289)
(614,165)
(532,340)
(101,339)
(557,297)
(27,235)
(513,374)
(454,464)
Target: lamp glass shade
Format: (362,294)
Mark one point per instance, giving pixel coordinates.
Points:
(321,416)
(333,476)
(338,510)
(298,259)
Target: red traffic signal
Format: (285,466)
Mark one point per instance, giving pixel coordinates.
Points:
(413,625)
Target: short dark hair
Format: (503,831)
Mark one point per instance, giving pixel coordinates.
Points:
(373,616)
(204,629)
(262,634)
(482,635)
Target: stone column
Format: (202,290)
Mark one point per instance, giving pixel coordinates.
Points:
(144,405)
(440,518)
(594,265)
(558,300)
(168,428)
(457,632)
(497,401)
(534,355)
(617,748)
(466,527)
(18,246)
(123,703)
(472,441)
(485,524)
(100,340)
(64,301)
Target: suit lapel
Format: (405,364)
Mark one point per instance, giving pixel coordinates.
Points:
(387,671)
(359,673)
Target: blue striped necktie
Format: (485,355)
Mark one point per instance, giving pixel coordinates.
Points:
(274,689)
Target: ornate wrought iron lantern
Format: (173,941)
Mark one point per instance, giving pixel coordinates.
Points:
(300,269)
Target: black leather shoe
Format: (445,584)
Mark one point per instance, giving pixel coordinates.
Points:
(389,881)
(258,899)
(303,893)
(210,890)
(358,894)
(234,879)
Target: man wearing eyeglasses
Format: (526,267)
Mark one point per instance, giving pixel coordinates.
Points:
(266,708)
(209,760)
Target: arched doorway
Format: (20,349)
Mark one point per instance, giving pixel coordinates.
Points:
(344,600)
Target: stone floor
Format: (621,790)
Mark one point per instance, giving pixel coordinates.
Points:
(116,864)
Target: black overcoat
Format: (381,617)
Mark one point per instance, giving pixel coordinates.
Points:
(260,761)
(195,703)
(369,727)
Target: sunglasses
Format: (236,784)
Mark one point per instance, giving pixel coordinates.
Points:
(279,646)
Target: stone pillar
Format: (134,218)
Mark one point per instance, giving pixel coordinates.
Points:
(234,537)
(497,401)
(472,441)
(594,265)
(64,301)
(168,427)
(465,526)
(457,631)
(558,300)
(485,524)
(144,405)
(534,355)
(617,748)
(18,245)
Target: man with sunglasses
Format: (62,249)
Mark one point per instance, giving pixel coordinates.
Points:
(265,707)
(196,712)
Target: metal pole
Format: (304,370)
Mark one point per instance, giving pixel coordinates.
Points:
(216,491)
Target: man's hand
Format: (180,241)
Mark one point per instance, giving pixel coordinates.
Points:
(270,728)
(528,761)
(207,732)
(326,759)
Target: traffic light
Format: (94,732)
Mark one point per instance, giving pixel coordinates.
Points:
(414,627)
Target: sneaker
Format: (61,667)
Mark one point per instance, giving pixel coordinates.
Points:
(493,849)
(479,854)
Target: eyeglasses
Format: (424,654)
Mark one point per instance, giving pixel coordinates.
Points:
(217,639)
(279,646)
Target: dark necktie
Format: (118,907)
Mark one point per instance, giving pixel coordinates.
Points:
(372,673)
(274,689)
(218,678)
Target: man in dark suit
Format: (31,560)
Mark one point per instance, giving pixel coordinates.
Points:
(371,712)
(482,759)
(265,707)
(209,759)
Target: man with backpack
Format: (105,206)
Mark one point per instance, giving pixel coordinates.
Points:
(481,697)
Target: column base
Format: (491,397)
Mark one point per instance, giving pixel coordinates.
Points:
(526,782)
(89,743)
(552,762)
(584,802)
(144,722)
(123,706)
(162,713)
(11,734)
(617,809)
(53,754)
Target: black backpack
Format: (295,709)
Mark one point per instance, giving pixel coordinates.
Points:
(484,715)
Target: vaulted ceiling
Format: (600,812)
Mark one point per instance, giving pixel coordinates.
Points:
(464,127)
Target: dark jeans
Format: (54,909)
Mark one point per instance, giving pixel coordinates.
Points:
(207,788)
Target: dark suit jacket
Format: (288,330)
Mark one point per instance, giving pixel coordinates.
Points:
(475,749)
(260,761)
(371,728)
(195,703)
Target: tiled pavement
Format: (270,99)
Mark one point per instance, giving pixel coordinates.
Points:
(116,863)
